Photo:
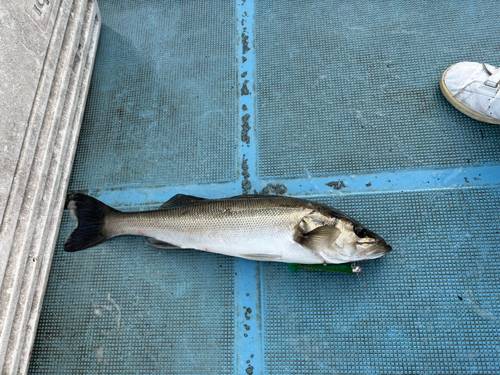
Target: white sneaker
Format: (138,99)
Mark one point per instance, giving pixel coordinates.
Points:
(473,89)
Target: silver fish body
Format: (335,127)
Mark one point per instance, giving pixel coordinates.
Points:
(266,228)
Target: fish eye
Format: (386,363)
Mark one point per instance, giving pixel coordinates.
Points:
(360,232)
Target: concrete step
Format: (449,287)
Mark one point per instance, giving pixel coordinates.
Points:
(47,60)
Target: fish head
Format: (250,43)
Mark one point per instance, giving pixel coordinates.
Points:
(368,244)
(354,242)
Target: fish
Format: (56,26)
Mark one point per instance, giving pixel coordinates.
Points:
(256,227)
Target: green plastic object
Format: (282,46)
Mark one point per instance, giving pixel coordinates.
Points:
(343,268)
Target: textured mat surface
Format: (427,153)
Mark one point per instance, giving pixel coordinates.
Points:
(162,106)
(130,308)
(428,309)
(355,85)
(337,102)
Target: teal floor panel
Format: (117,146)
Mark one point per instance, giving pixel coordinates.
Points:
(161,108)
(332,101)
(429,310)
(352,86)
(129,308)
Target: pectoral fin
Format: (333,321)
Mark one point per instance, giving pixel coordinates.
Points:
(318,239)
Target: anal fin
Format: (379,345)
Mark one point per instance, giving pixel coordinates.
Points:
(261,257)
(161,244)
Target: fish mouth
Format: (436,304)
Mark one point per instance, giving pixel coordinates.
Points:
(386,248)
(377,250)
(382,249)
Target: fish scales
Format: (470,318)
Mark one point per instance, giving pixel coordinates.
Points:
(267,228)
(256,226)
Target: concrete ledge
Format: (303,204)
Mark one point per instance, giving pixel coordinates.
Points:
(41,129)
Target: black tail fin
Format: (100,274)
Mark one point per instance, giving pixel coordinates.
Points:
(90,214)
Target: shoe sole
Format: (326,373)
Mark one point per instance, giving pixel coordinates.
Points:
(460,107)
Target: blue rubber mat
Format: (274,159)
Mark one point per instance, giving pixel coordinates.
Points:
(350,86)
(163,89)
(336,102)
(433,308)
(127,309)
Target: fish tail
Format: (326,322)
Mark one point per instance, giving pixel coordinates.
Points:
(90,214)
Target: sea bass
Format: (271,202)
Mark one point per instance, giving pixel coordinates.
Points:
(264,228)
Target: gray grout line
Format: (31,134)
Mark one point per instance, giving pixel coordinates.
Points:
(391,181)
(247,146)
(249,357)
(430,179)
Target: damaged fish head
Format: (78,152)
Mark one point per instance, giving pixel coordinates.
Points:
(341,239)
(353,243)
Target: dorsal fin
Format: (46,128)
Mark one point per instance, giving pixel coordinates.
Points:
(318,239)
(180,200)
